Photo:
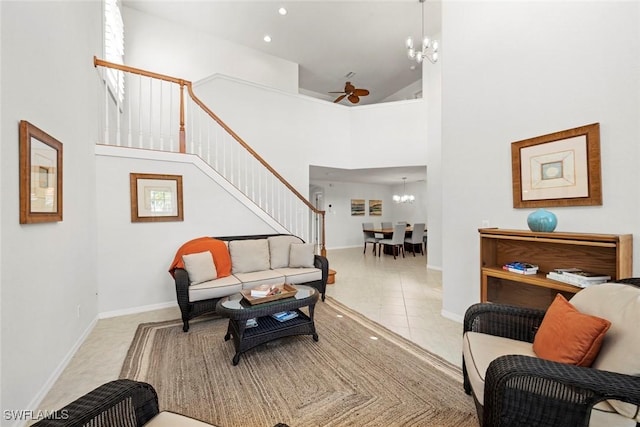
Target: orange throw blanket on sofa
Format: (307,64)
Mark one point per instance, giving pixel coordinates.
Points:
(218,250)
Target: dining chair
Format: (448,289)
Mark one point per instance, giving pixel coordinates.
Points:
(369,236)
(396,241)
(417,238)
(387,224)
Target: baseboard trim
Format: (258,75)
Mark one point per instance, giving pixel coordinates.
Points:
(46,388)
(134,310)
(452,316)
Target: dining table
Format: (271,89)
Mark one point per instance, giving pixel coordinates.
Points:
(387,233)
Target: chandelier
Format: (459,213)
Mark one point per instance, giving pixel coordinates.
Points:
(429,47)
(405,198)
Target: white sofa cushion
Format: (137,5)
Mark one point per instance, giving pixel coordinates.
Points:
(171,419)
(200,267)
(256,278)
(217,288)
(301,255)
(249,255)
(480,350)
(279,247)
(619,304)
(294,276)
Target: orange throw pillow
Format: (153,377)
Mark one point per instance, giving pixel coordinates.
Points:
(218,249)
(568,336)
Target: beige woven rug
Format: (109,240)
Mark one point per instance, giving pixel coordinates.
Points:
(345,379)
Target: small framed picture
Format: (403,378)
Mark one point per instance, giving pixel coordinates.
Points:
(156,198)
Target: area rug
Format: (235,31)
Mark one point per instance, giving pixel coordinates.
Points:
(358,374)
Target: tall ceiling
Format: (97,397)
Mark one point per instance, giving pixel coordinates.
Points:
(328,39)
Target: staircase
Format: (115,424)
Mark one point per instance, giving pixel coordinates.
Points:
(153,113)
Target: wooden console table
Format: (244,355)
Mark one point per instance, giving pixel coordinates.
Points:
(610,254)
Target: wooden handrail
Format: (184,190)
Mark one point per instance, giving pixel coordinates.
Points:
(182,82)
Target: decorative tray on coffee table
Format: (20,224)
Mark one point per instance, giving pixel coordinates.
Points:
(286,291)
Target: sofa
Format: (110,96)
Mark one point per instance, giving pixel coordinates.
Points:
(207,269)
(575,364)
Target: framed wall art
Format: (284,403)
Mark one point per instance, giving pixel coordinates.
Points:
(357,207)
(40,157)
(558,169)
(375,207)
(156,198)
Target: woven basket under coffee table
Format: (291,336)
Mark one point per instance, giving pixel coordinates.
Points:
(239,310)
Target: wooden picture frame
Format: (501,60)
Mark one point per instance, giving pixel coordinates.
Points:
(40,157)
(558,169)
(156,198)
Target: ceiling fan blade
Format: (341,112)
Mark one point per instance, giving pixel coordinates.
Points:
(361,92)
(348,87)
(340,98)
(354,99)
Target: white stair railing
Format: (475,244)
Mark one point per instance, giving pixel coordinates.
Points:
(154,115)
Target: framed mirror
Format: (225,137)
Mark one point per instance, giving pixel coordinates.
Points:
(40,176)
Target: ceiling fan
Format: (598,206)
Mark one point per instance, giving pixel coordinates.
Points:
(351,93)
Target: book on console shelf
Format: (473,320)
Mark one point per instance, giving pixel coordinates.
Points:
(521,267)
(578,277)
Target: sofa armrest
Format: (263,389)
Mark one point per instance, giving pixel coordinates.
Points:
(517,387)
(122,402)
(503,320)
(181,278)
(323,264)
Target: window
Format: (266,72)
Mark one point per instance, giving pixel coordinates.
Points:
(114,47)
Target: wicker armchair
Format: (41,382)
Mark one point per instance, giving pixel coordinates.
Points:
(520,389)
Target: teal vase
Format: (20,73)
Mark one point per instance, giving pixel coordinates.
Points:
(542,220)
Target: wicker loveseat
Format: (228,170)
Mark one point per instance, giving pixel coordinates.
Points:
(254,260)
(512,386)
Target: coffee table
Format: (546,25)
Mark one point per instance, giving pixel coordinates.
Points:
(238,310)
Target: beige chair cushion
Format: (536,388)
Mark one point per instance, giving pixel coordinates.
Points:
(249,255)
(171,419)
(301,255)
(279,247)
(294,276)
(480,350)
(256,278)
(620,352)
(217,288)
(200,267)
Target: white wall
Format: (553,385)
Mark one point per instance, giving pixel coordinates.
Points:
(164,47)
(533,68)
(134,258)
(389,134)
(48,270)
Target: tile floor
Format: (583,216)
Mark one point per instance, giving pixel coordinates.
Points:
(401,294)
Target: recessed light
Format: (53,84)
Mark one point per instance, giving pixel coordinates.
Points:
(267,38)
(282,11)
